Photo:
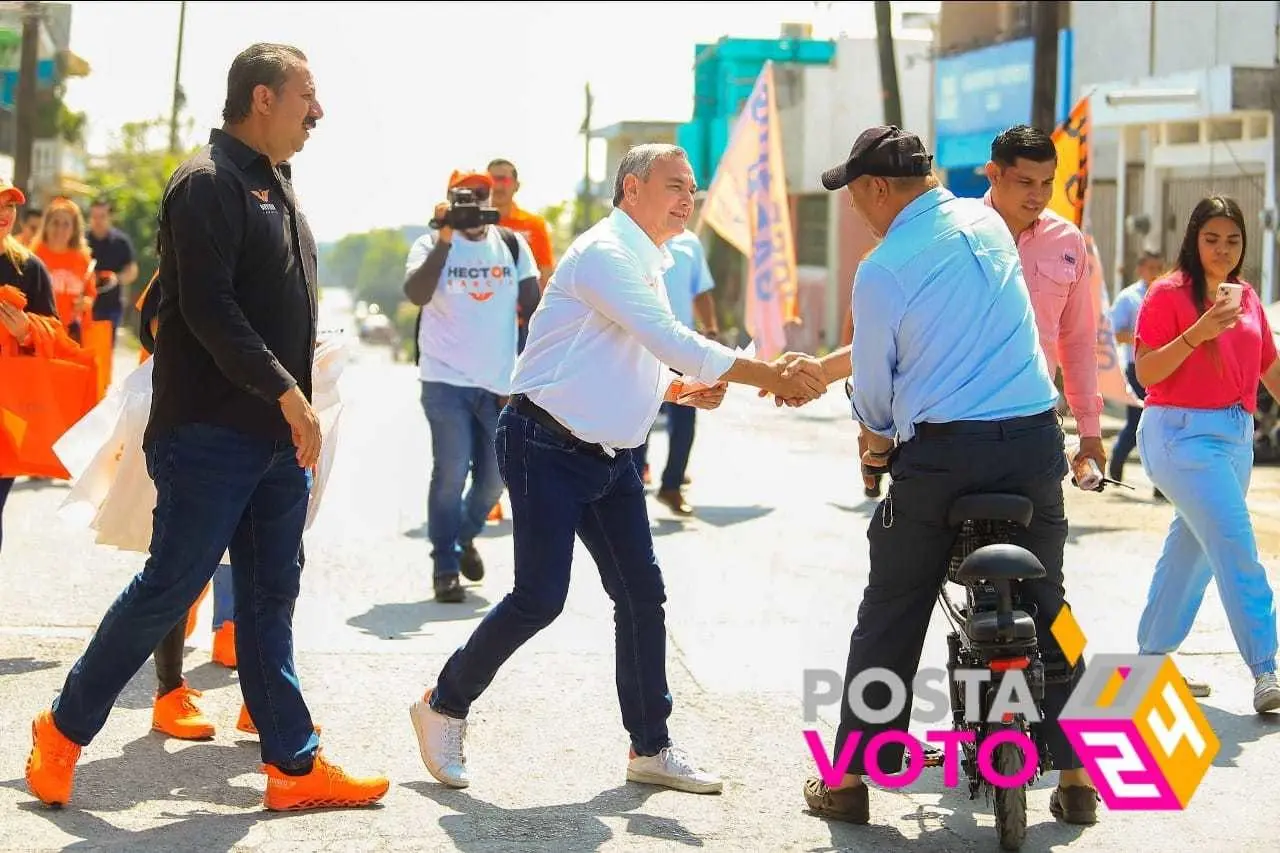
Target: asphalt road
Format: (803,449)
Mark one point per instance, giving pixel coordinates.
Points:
(763,583)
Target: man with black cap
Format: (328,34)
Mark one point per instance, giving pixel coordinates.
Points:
(952,390)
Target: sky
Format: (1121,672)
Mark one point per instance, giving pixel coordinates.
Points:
(412,91)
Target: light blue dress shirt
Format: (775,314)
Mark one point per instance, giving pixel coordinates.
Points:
(689,277)
(943,326)
(1124,315)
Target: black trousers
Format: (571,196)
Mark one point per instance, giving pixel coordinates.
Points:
(910,544)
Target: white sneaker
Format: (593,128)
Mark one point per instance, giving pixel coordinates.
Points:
(440,742)
(1266,693)
(672,768)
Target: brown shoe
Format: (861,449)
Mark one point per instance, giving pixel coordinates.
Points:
(674,500)
(1076,804)
(852,805)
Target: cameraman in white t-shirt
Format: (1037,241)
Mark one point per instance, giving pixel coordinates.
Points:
(474,280)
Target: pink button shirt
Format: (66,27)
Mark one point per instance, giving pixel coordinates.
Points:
(1055,265)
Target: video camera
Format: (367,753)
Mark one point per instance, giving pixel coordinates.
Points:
(465,211)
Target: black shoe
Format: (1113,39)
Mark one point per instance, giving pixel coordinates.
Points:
(1159,495)
(449,590)
(471,564)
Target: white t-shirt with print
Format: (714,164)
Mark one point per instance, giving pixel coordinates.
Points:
(468,334)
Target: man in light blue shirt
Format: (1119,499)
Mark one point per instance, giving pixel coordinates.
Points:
(949,380)
(1124,317)
(689,285)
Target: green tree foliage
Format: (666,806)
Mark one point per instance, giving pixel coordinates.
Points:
(370,264)
(133,175)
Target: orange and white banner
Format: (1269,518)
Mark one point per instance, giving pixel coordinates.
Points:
(1070,195)
(747,205)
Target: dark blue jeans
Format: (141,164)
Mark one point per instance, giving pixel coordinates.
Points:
(681,421)
(463,422)
(216,489)
(1127,438)
(557,492)
(6,483)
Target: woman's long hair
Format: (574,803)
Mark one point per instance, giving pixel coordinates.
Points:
(17,253)
(1189,255)
(77,241)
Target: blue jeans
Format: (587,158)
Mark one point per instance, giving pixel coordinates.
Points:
(1127,438)
(463,422)
(557,492)
(216,489)
(1202,459)
(6,483)
(224,596)
(681,421)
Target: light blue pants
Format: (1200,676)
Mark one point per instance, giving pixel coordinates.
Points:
(1202,459)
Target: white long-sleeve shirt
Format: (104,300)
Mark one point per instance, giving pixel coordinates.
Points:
(603,336)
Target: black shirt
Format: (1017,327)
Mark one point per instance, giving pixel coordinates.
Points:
(112,253)
(238,301)
(34,282)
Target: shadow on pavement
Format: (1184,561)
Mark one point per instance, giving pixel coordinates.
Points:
(1235,730)
(401,620)
(191,831)
(33,485)
(568,826)
(725,516)
(1076,532)
(25,666)
(147,772)
(492,530)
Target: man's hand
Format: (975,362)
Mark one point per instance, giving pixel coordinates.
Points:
(798,364)
(707,398)
(304,425)
(1091,448)
(445,233)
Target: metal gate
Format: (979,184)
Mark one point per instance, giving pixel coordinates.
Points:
(1181,195)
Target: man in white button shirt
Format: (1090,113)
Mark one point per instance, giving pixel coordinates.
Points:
(586,391)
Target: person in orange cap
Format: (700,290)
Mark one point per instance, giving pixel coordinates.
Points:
(22,270)
(474,281)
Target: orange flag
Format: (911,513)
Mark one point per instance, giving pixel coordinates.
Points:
(747,205)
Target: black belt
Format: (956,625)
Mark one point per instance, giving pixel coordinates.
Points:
(530,409)
(1002,427)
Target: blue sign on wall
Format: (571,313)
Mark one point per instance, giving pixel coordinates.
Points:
(982,92)
(45,71)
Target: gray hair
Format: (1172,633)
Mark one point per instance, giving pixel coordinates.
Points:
(639,161)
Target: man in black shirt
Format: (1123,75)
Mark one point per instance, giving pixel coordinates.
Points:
(232,440)
(114,264)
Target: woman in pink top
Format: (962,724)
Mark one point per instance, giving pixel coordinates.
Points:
(1201,355)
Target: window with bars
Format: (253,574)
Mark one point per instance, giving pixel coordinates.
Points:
(812,229)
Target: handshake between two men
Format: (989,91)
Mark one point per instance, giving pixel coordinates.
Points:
(792,378)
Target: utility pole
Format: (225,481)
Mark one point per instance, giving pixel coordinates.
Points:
(1044,26)
(889,91)
(585,196)
(177,82)
(28,68)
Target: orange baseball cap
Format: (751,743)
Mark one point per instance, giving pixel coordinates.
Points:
(8,189)
(471,179)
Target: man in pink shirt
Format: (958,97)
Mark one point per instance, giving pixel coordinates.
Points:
(1055,265)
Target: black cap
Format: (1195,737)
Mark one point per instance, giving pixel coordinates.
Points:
(887,152)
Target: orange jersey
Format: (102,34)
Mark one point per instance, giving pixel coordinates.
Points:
(534,229)
(69,272)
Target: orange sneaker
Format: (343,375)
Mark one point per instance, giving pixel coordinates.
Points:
(195,609)
(495,514)
(245,723)
(224,645)
(327,786)
(51,766)
(177,715)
